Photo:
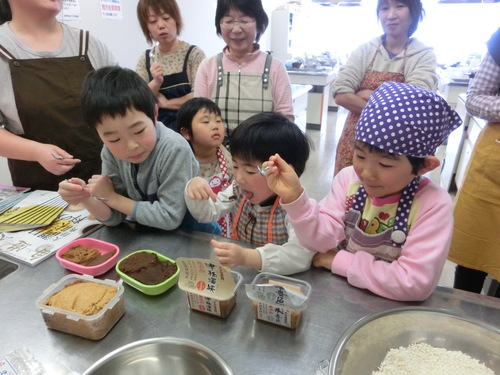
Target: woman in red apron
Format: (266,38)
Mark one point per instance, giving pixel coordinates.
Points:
(42,65)
(394,56)
(170,66)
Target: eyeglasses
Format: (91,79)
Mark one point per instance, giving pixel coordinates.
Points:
(244,23)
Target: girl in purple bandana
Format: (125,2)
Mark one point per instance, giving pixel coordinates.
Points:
(383,226)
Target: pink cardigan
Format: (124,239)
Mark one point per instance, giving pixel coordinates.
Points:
(414,275)
(206,77)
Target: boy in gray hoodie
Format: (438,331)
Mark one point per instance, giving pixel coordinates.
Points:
(145,167)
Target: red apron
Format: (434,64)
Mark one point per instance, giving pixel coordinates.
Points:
(371,81)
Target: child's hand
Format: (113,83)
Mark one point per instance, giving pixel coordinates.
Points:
(324,260)
(283,180)
(100,185)
(229,254)
(198,189)
(72,191)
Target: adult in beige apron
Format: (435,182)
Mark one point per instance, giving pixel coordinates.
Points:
(47,93)
(241,95)
(371,81)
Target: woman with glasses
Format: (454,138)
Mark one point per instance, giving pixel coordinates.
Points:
(242,79)
(170,65)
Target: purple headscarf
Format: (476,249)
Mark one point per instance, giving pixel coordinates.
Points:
(406,120)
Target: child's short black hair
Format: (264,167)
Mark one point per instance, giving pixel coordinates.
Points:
(190,108)
(111,91)
(416,163)
(269,133)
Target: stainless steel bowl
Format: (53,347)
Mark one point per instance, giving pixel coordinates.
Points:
(161,356)
(363,347)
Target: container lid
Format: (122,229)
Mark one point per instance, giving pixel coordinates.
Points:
(279,290)
(207,278)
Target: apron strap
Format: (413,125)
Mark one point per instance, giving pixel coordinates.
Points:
(184,67)
(84,43)
(148,64)
(234,231)
(223,167)
(267,68)
(270,221)
(6,54)
(220,72)
(220,81)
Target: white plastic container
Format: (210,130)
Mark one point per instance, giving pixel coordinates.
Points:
(210,287)
(278,299)
(93,327)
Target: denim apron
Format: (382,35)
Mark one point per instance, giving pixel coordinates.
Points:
(174,85)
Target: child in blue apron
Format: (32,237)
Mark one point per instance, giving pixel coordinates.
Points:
(258,218)
(383,225)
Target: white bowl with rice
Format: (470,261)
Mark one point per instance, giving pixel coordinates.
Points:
(420,338)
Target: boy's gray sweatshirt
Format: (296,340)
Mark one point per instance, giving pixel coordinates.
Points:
(157,184)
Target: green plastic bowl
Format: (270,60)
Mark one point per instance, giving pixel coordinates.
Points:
(150,290)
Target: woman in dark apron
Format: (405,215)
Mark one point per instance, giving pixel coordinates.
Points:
(170,65)
(48,140)
(392,57)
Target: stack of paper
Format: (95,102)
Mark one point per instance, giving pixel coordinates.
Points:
(35,210)
(38,209)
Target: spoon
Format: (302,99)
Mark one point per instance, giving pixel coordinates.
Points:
(152,53)
(263,171)
(102,199)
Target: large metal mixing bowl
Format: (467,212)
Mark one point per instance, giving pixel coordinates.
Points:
(363,347)
(161,356)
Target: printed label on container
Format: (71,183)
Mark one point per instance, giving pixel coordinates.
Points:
(205,304)
(205,277)
(274,314)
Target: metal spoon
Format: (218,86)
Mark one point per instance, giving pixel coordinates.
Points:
(152,54)
(263,171)
(58,157)
(102,199)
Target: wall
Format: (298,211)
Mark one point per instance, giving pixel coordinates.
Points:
(454,30)
(126,41)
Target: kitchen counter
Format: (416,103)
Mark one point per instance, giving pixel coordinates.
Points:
(451,86)
(317,99)
(247,345)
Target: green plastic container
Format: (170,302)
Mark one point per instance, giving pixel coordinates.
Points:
(150,290)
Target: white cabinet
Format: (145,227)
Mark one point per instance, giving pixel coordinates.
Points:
(474,127)
(459,148)
(285,27)
(453,147)
(450,89)
(463,162)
